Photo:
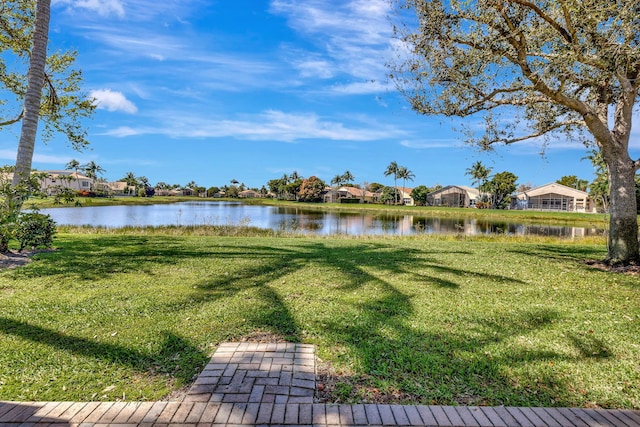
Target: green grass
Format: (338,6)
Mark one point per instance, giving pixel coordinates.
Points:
(48,202)
(135,314)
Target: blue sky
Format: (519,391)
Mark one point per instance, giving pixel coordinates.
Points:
(217,90)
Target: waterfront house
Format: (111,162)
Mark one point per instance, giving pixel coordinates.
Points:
(554,197)
(459,196)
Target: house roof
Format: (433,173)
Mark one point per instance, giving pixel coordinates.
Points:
(554,188)
(471,192)
(406,190)
(356,192)
(55,174)
(118,185)
(65,173)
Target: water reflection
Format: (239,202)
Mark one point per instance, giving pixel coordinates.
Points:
(293,219)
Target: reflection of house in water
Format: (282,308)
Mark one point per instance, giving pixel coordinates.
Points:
(459,196)
(473,226)
(346,224)
(554,197)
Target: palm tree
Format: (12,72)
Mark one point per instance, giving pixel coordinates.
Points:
(392,169)
(479,174)
(92,170)
(405,174)
(130,179)
(73,165)
(33,96)
(348,177)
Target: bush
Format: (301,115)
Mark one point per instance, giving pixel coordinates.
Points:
(35,230)
(6,230)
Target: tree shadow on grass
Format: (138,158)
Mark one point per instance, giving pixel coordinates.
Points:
(173,348)
(563,252)
(390,352)
(97,258)
(405,364)
(427,366)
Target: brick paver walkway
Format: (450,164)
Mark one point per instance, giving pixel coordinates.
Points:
(274,384)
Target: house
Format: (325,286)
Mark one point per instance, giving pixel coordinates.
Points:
(554,197)
(347,195)
(119,188)
(459,196)
(52,181)
(404,194)
(167,192)
(249,194)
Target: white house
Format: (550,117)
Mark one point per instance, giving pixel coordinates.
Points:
(555,197)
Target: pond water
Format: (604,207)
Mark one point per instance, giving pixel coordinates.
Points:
(295,219)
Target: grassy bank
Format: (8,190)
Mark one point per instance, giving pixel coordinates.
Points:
(48,202)
(135,314)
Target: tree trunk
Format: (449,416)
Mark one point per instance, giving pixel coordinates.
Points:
(35,82)
(623,221)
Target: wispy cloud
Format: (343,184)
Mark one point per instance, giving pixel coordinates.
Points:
(353,36)
(102,7)
(359,88)
(112,101)
(269,125)
(431,143)
(37,158)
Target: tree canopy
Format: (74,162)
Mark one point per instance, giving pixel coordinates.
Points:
(500,187)
(311,189)
(63,104)
(549,70)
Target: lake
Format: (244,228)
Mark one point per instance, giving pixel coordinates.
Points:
(294,219)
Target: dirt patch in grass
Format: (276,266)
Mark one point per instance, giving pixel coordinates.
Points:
(632,270)
(14,259)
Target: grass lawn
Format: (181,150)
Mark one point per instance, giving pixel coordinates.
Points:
(136,314)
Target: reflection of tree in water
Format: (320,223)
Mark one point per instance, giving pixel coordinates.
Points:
(471,226)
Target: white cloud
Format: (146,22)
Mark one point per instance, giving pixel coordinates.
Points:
(359,88)
(354,36)
(271,125)
(102,7)
(123,131)
(37,158)
(432,143)
(113,101)
(315,68)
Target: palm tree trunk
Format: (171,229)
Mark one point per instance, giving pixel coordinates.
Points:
(35,82)
(395,189)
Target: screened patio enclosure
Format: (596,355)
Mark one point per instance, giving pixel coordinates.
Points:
(458,196)
(554,197)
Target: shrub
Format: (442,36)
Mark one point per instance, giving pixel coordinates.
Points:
(35,230)
(6,230)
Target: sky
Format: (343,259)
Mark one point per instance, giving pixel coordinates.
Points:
(250,90)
